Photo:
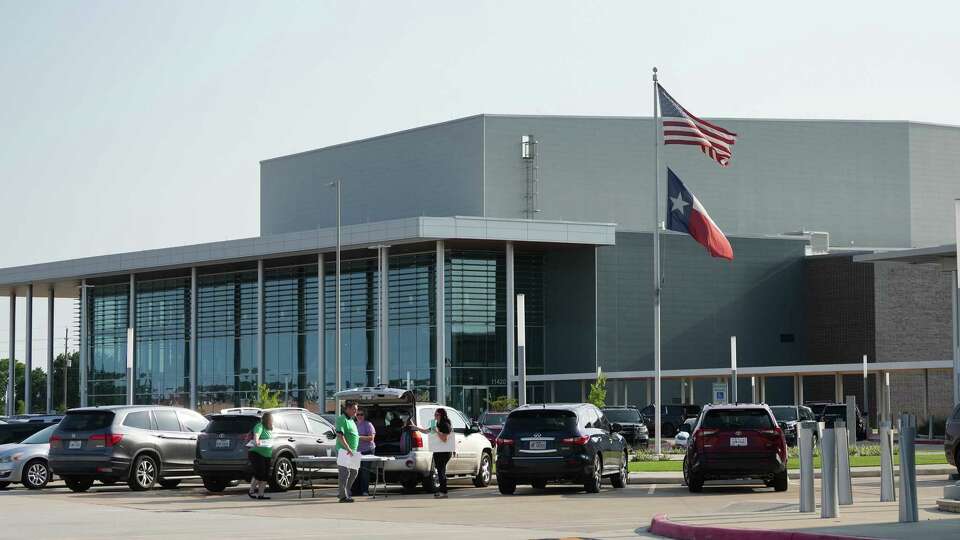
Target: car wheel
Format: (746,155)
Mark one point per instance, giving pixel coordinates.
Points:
(669,430)
(432,481)
(410,486)
(780,481)
(539,484)
(143,474)
(695,483)
(36,474)
(506,487)
(283,474)
(214,485)
(620,479)
(484,473)
(591,483)
(169,484)
(78,485)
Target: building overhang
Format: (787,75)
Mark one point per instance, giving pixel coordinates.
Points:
(945,256)
(64,276)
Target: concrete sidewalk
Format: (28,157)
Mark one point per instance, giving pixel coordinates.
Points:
(855,472)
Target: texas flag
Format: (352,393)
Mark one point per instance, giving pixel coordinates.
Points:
(685,214)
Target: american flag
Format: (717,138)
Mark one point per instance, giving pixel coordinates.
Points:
(681,127)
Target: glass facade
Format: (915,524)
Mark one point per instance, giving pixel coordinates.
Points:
(108,309)
(412,289)
(161,368)
(226,339)
(359,293)
(290,311)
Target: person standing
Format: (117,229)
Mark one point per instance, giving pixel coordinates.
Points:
(366,447)
(347,441)
(441,427)
(260,454)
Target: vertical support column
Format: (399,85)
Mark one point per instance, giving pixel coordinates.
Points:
(193,338)
(384,320)
(583,390)
(260,341)
(763,389)
(626,399)
(83,343)
(28,356)
(837,388)
(553,391)
(131,342)
(799,389)
(693,396)
(648,390)
(887,407)
(441,298)
(511,321)
(753,389)
(50,302)
(321,352)
(878,386)
(11,364)
(956,326)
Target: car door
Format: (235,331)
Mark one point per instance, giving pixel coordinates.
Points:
(297,434)
(324,437)
(462,460)
(611,461)
(177,447)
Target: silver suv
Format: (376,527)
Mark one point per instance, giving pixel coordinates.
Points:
(140,444)
(390,408)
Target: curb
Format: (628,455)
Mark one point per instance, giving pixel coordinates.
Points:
(677,478)
(662,526)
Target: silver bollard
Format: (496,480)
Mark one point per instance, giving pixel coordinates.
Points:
(828,473)
(887,489)
(909,512)
(844,485)
(808,502)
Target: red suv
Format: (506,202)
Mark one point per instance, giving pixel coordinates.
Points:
(736,442)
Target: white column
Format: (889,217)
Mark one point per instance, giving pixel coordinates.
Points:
(321,353)
(799,389)
(838,387)
(956,325)
(194,366)
(511,321)
(28,356)
(648,390)
(693,396)
(260,341)
(83,343)
(763,389)
(440,299)
(626,398)
(50,302)
(11,364)
(132,334)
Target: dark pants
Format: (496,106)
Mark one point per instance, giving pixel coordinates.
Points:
(362,485)
(440,459)
(260,466)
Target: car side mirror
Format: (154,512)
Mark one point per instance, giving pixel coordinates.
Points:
(474,426)
(616,428)
(330,435)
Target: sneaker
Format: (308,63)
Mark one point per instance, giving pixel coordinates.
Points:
(443,496)
(436,495)
(343,500)
(350,500)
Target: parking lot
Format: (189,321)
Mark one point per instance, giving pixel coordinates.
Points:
(557,512)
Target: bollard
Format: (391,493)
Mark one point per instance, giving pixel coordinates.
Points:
(828,473)
(909,512)
(887,490)
(805,432)
(844,485)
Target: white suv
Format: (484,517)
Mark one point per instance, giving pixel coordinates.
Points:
(389,409)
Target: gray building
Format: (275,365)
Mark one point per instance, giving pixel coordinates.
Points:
(445,224)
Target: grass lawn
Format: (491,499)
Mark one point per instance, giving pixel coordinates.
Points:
(926,458)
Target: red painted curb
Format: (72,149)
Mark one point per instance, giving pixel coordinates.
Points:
(662,526)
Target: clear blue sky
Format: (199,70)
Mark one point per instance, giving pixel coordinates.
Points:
(130,125)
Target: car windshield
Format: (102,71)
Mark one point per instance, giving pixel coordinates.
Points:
(232,424)
(738,419)
(622,415)
(40,437)
(838,411)
(541,420)
(784,414)
(493,418)
(86,420)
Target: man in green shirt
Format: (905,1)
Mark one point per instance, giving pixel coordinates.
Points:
(347,441)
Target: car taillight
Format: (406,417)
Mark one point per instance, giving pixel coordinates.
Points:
(504,442)
(56,441)
(417,439)
(577,441)
(107,440)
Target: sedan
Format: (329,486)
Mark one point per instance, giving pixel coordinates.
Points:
(26,462)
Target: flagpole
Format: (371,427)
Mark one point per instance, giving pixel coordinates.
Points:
(656,266)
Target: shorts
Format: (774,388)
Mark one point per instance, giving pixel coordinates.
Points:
(261,466)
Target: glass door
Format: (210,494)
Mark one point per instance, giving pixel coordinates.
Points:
(473,401)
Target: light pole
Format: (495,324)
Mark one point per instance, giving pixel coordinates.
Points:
(337,372)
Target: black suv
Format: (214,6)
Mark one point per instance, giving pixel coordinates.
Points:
(828,412)
(788,416)
(632,426)
(560,443)
(671,417)
(221,452)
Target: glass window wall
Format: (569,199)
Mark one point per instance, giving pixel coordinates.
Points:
(108,308)
(162,341)
(290,334)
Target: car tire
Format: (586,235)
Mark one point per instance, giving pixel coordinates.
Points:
(169,484)
(506,487)
(409,486)
(669,431)
(484,472)
(431,482)
(36,474)
(78,485)
(215,485)
(143,473)
(591,484)
(780,481)
(283,474)
(622,477)
(539,484)
(695,483)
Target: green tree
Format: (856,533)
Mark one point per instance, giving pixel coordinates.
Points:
(38,386)
(5,380)
(501,403)
(598,391)
(72,379)
(266,399)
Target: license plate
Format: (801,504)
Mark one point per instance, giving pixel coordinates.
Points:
(738,441)
(538,445)
(223,443)
(75,445)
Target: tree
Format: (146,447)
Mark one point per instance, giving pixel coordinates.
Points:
(598,391)
(73,381)
(266,399)
(501,404)
(4,380)
(38,384)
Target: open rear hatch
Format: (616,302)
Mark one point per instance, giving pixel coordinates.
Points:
(388,409)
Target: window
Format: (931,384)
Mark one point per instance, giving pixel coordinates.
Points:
(738,419)
(317,425)
(588,418)
(233,423)
(193,421)
(425,416)
(166,420)
(295,422)
(542,420)
(86,420)
(138,420)
(456,420)
(602,421)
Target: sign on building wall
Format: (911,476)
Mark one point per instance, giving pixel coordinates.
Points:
(719,393)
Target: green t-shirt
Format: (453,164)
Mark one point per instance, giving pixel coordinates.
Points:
(349,429)
(263,434)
